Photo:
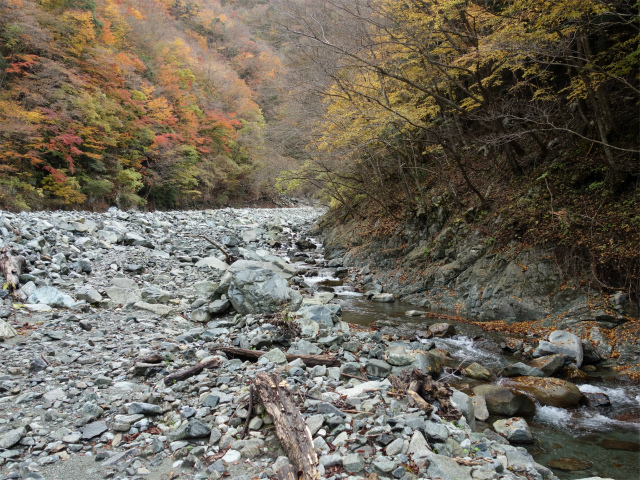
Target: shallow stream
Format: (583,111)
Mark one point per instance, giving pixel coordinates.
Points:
(576,443)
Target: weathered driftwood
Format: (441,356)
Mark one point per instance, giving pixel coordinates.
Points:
(425,392)
(11,266)
(191,371)
(245,430)
(254,355)
(289,424)
(287,472)
(224,252)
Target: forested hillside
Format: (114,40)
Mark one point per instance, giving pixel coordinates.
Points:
(519,118)
(135,102)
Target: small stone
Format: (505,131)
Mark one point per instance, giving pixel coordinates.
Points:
(232,456)
(94,429)
(353,463)
(144,408)
(10,438)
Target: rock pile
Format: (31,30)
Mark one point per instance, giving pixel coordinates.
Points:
(113,303)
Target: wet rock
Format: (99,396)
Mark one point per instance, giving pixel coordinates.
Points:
(442,330)
(514,429)
(550,364)
(594,399)
(477,371)
(568,464)
(563,342)
(428,363)
(502,401)
(548,391)
(383,298)
(521,370)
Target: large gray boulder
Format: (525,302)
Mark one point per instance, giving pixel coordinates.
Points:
(514,429)
(253,289)
(502,401)
(318,313)
(563,342)
(52,297)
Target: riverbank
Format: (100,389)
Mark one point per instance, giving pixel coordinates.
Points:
(449,268)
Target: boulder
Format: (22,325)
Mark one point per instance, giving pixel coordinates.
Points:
(428,363)
(502,401)
(122,296)
(318,313)
(561,341)
(442,330)
(464,405)
(548,391)
(397,355)
(480,407)
(253,289)
(212,262)
(514,429)
(477,371)
(520,369)
(52,297)
(550,364)
(383,298)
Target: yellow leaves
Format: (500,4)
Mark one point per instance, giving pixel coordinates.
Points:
(12,111)
(79,30)
(68,190)
(159,109)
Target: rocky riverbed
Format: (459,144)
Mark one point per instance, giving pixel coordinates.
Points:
(113,303)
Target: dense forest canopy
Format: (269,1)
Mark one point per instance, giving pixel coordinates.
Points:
(519,116)
(134,102)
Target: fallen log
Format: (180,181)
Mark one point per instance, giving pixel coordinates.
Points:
(191,371)
(290,427)
(254,355)
(424,392)
(11,266)
(287,472)
(224,252)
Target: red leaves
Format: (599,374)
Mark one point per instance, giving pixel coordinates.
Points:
(24,63)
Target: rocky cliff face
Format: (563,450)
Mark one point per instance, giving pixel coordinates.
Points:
(456,269)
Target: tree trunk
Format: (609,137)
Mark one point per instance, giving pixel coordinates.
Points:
(11,266)
(290,427)
(254,355)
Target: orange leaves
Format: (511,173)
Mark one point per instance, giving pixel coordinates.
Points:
(22,63)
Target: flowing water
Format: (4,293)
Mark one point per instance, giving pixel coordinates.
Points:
(576,443)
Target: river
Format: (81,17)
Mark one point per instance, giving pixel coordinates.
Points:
(575,443)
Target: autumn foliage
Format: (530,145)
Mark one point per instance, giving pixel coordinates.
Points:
(519,116)
(130,102)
